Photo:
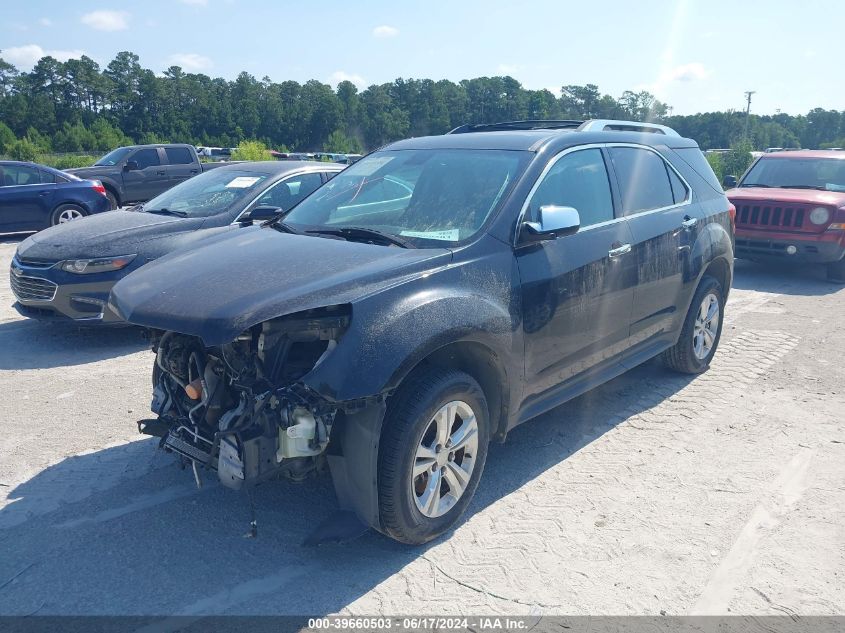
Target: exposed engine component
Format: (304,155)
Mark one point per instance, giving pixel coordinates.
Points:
(238,409)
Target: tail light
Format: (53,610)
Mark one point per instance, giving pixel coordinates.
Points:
(97,186)
(732,213)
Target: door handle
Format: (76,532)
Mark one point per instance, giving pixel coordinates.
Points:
(195,171)
(619,250)
(160,173)
(43,193)
(689,222)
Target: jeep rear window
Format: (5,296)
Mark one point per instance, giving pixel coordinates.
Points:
(825,174)
(427,196)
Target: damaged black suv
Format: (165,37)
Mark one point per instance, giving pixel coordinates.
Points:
(428,299)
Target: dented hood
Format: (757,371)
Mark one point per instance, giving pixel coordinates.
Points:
(233,282)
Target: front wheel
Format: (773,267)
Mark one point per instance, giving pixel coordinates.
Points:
(701,331)
(65,213)
(432,453)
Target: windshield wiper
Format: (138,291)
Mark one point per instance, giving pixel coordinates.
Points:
(279,225)
(802,187)
(178,214)
(360,232)
(755,184)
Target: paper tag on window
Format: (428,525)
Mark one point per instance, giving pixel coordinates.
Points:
(242,182)
(450,235)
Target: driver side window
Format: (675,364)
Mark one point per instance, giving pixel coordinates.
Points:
(146,158)
(578,180)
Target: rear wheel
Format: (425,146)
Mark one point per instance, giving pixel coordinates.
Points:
(701,331)
(432,453)
(836,271)
(65,213)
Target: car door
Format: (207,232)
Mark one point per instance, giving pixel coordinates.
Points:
(181,164)
(577,290)
(25,202)
(150,179)
(656,201)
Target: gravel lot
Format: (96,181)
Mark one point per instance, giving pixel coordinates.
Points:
(724,493)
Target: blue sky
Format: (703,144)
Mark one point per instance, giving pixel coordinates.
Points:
(697,55)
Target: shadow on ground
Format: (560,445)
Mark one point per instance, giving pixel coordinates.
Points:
(124,531)
(30,344)
(783,278)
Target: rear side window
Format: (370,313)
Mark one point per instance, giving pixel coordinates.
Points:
(288,193)
(643,179)
(578,180)
(146,158)
(179,155)
(14,175)
(694,157)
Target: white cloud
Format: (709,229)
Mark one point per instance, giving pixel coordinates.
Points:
(190,61)
(105,20)
(693,71)
(340,75)
(385,31)
(45,22)
(508,69)
(26,56)
(195,3)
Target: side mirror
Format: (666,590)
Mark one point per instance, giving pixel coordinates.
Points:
(259,214)
(131,165)
(729,182)
(553,221)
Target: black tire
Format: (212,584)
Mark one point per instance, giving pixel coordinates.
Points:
(113,201)
(409,415)
(836,271)
(62,208)
(682,357)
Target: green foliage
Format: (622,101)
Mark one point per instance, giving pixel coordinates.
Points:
(339,143)
(78,106)
(68,161)
(7,138)
(252,150)
(24,149)
(736,161)
(716,165)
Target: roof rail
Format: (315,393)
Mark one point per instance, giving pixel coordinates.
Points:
(604,125)
(531,124)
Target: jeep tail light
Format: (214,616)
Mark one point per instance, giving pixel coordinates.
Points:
(97,186)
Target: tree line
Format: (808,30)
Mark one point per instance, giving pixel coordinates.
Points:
(77,106)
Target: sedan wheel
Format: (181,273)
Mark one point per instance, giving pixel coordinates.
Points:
(66,213)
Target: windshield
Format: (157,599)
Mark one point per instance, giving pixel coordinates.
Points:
(826,174)
(429,197)
(114,157)
(208,194)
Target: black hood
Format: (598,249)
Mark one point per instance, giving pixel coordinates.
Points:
(87,172)
(220,289)
(103,235)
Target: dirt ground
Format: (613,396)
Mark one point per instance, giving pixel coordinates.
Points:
(720,494)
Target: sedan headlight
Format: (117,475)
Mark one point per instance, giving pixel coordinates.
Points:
(819,215)
(101,265)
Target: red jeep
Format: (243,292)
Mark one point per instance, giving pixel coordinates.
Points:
(791,206)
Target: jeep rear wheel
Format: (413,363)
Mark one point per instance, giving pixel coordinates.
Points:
(701,331)
(432,453)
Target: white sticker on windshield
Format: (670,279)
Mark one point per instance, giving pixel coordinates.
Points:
(242,182)
(450,235)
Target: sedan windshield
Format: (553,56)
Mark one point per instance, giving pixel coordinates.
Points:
(825,174)
(113,157)
(426,197)
(208,194)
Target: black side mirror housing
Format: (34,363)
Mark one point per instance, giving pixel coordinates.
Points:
(553,221)
(259,214)
(729,182)
(131,165)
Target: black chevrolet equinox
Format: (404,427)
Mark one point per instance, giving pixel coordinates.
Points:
(428,299)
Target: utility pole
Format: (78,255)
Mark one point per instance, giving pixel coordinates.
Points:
(747,111)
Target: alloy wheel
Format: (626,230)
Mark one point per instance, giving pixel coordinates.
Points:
(706,326)
(69,214)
